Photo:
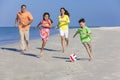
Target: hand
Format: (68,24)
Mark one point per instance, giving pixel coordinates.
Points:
(62,20)
(88,34)
(84,33)
(46,25)
(24,25)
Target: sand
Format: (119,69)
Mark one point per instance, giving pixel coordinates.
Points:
(54,64)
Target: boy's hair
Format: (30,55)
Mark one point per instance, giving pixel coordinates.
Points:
(23,6)
(81,20)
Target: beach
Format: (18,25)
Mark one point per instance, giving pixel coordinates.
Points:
(54,65)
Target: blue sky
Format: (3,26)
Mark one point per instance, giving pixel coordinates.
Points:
(96,12)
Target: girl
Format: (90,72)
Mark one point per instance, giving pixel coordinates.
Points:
(46,24)
(63,22)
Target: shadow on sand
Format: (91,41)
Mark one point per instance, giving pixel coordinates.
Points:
(68,59)
(50,49)
(11,49)
(16,50)
(31,55)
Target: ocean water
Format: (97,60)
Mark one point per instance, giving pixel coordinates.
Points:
(9,35)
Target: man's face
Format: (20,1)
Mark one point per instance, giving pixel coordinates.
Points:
(82,24)
(23,9)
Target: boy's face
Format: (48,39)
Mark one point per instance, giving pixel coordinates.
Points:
(82,24)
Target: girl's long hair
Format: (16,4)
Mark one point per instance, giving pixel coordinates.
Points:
(46,13)
(66,12)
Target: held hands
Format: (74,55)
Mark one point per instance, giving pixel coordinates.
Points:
(62,20)
(46,25)
(86,34)
(24,24)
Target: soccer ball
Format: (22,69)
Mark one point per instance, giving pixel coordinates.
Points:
(73,57)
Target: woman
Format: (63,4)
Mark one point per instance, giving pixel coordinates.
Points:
(63,22)
(45,30)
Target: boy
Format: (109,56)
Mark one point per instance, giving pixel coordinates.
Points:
(85,37)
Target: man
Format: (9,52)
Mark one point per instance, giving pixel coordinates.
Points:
(23,20)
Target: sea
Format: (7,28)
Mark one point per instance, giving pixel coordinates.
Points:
(10,35)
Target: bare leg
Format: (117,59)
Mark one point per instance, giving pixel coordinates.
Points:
(62,43)
(42,48)
(67,42)
(90,47)
(88,50)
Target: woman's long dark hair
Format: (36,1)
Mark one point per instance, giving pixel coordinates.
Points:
(66,12)
(46,13)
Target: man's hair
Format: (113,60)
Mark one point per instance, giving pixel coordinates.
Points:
(23,6)
(81,20)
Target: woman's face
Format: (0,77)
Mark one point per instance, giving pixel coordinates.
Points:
(62,11)
(46,17)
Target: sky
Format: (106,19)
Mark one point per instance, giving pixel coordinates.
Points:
(96,12)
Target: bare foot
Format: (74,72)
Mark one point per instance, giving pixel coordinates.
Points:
(22,52)
(66,47)
(41,53)
(63,50)
(91,58)
(28,45)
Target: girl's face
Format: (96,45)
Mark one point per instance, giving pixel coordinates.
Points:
(46,17)
(62,11)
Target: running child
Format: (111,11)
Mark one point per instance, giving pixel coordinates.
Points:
(46,24)
(85,36)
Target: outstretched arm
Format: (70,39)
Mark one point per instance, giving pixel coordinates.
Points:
(75,34)
(38,25)
(16,21)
